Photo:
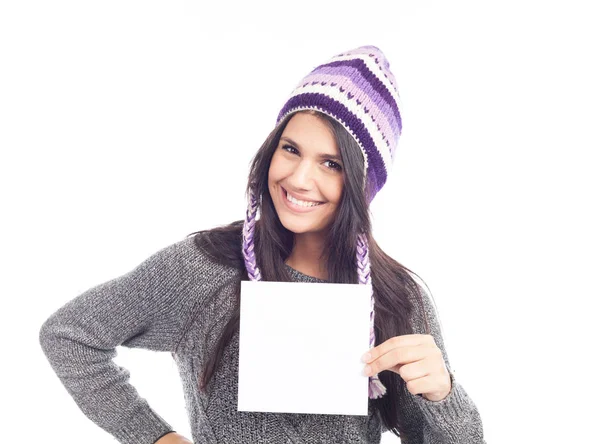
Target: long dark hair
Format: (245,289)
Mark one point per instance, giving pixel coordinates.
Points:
(393,287)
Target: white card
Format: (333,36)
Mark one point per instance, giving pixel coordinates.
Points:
(301,346)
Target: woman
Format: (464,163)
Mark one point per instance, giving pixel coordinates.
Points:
(311,182)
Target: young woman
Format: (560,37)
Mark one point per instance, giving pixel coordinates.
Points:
(309,191)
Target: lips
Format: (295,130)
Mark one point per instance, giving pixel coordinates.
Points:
(297,209)
(286,192)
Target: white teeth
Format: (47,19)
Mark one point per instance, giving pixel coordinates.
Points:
(302,203)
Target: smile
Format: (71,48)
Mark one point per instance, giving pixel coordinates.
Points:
(297,205)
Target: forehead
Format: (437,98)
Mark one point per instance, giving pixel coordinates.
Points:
(310,133)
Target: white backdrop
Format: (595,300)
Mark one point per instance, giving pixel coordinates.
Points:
(126,125)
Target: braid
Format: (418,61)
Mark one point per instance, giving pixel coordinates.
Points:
(376,388)
(362,259)
(248,237)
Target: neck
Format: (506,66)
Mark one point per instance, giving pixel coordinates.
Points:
(306,256)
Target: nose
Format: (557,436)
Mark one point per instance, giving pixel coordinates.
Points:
(302,177)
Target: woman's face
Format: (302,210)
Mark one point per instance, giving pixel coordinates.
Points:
(305,175)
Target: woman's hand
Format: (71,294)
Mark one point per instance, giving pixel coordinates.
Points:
(418,361)
(173,438)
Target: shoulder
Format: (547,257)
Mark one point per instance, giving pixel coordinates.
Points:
(186,259)
(425,318)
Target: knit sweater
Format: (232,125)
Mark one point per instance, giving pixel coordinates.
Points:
(172,302)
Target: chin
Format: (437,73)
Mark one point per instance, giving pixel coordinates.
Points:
(299,226)
(296,227)
(300,223)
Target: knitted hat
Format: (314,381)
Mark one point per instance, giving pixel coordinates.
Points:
(357,89)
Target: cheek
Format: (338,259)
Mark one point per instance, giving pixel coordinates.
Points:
(334,191)
(276,169)
(273,174)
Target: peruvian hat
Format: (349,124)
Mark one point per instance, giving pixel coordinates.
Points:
(357,89)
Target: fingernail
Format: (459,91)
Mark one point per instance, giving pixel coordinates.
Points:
(366,357)
(367,370)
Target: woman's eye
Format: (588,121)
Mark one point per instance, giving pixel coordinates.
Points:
(329,163)
(333,165)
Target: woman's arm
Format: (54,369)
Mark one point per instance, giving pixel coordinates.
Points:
(149,307)
(453,420)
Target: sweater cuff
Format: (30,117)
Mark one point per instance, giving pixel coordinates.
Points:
(145,427)
(448,412)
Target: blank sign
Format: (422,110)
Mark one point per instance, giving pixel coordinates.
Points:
(301,346)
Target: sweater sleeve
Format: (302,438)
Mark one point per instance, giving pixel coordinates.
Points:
(453,420)
(148,307)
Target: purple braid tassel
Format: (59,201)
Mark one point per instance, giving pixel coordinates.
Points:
(248,238)
(376,388)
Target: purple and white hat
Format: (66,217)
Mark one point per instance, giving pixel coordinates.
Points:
(357,89)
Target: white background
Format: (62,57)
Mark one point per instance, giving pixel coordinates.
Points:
(126,125)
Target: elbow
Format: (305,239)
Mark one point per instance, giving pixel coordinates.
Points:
(44,334)
(47,335)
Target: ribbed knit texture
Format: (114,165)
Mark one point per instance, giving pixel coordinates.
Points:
(171,302)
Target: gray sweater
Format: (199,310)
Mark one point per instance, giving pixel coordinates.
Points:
(172,302)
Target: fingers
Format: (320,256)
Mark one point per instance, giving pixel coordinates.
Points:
(395,342)
(396,359)
(420,385)
(398,341)
(434,386)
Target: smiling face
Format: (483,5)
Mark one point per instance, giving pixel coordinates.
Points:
(305,175)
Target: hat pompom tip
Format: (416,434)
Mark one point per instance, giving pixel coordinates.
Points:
(376,388)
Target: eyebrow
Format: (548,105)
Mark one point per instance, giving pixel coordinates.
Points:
(319,155)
